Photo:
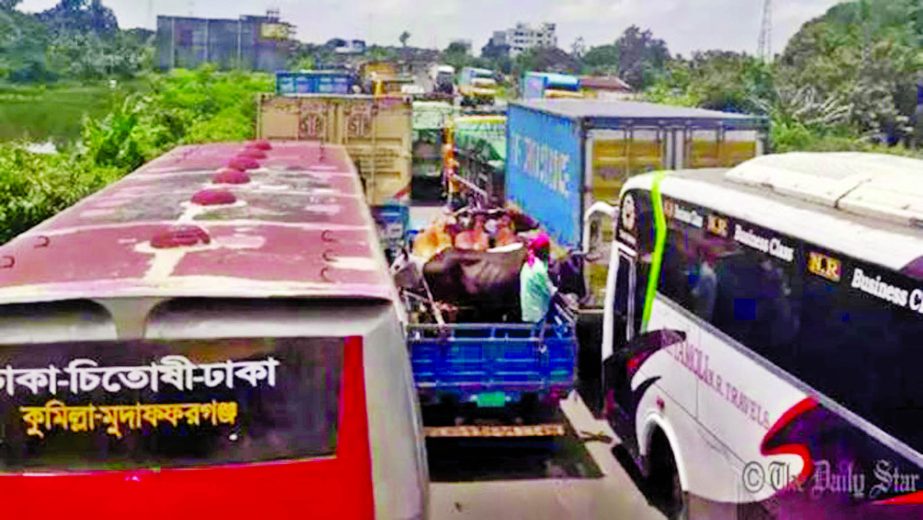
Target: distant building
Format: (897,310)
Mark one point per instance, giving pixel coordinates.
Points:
(524,37)
(249,42)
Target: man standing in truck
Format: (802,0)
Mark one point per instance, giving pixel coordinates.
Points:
(535,286)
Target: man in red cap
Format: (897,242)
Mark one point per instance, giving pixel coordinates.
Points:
(535,287)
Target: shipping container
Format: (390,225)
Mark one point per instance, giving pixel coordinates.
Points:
(375,130)
(565,154)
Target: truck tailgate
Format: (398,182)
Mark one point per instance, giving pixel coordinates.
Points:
(467,360)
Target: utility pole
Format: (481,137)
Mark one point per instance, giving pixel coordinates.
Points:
(764,50)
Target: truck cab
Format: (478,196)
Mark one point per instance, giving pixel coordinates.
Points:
(443,77)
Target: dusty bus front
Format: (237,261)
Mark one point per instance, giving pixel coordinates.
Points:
(229,350)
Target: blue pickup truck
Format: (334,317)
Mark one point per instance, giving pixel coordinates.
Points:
(494,379)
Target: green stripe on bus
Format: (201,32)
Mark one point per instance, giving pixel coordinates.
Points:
(660,240)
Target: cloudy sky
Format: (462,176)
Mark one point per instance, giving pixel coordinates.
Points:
(686,25)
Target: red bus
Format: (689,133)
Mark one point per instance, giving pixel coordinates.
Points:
(216,334)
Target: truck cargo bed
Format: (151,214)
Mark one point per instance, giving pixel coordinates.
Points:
(494,364)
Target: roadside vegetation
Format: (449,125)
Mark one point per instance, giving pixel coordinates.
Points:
(178,108)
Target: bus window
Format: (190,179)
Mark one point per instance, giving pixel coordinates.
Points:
(747,294)
(143,404)
(757,302)
(862,352)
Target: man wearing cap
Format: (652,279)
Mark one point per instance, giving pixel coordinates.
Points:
(535,287)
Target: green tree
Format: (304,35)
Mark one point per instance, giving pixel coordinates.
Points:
(80,16)
(641,57)
(405,36)
(868,52)
(603,59)
(456,55)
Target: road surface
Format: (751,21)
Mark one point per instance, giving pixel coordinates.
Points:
(500,480)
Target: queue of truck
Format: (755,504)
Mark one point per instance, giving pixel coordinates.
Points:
(544,161)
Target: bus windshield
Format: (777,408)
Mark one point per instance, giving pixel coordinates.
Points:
(152,404)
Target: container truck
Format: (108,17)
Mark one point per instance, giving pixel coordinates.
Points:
(564,155)
(477,86)
(375,130)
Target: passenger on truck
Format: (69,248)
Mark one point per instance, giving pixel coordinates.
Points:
(535,286)
(476,238)
(505,234)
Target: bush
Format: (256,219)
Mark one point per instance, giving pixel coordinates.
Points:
(183,107)
(33,187)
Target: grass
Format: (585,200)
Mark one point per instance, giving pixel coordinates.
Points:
(40,113)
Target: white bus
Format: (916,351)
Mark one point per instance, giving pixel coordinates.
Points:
(763,342)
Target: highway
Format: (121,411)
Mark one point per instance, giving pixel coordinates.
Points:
(519,479)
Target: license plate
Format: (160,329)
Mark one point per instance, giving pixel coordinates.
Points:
(491,400)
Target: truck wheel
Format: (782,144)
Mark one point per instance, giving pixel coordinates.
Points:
(663,480)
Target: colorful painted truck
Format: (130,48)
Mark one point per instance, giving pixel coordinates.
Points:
(539,85)
(477,86)
(564,155)
(430,120)
(480,146)
(375,130)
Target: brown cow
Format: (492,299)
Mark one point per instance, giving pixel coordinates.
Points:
(484,283)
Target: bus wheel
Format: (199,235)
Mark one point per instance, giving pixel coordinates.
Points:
(663,480)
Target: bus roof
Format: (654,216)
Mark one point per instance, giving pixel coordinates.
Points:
(858,204)
(299,228)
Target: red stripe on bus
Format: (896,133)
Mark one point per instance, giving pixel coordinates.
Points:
(353,448)
(805,405)
(915,498)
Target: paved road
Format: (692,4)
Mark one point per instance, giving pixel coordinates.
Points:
(573,479)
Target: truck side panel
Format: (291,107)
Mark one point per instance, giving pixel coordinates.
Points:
(543,172)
